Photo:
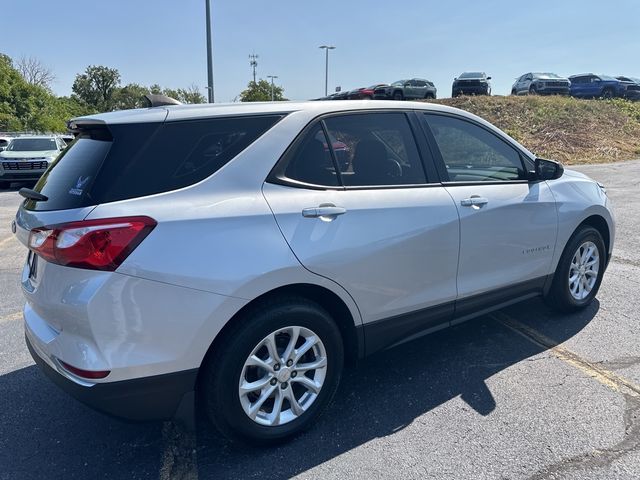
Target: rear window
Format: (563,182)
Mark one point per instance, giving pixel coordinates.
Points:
(135,160)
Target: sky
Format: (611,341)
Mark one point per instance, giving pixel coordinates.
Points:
(164,41)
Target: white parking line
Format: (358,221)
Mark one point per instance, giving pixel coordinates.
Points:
(6,240)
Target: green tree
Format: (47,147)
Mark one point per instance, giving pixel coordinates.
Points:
(130,96)
(260,91)
(97,87)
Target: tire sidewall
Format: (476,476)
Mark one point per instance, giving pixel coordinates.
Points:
(561,285)
(221,391)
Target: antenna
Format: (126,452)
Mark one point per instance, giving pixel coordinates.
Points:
(253,61)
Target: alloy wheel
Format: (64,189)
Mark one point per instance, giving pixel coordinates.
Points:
(583,271)
(283,376)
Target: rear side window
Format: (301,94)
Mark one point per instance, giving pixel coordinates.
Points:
(135,160)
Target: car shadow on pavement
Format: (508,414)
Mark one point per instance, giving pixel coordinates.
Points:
(388,391)
(46,434)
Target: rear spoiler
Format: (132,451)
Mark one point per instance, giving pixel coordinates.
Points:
(156,100)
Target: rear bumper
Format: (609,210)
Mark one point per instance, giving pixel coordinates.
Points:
(149,398)
(20,176)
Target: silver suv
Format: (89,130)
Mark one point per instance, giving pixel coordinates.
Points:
(26,158)
(541,84)
(245,263)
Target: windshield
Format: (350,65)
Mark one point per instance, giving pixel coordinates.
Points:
(472,75)
(606,77)
(546,75)
(399,83)
(32,145)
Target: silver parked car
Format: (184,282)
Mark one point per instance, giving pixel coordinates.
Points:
(26,158)
(541,84)
(251,266)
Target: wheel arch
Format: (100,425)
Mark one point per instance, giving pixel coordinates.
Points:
(599,223)
(352,337)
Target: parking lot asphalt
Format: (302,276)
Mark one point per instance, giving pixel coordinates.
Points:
(524,393)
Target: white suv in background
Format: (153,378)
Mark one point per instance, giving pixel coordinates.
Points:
(26,158)
(244,263)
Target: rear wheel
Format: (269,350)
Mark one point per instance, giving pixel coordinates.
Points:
(275,373)
(579,272)
(607,93)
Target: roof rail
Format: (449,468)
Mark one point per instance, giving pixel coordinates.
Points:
(156,100)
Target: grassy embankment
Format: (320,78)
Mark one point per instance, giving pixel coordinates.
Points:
(566,129)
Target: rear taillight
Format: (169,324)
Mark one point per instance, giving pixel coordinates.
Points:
(90,374)
(93,244)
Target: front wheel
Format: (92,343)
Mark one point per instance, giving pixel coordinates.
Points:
(579,272)
(398,96)
(275,373)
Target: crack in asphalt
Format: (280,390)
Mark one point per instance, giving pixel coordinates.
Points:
(179,453)
(601,458)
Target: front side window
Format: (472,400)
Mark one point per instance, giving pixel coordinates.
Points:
(473,154)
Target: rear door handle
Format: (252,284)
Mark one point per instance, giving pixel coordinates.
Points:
(474,201)
(323,211)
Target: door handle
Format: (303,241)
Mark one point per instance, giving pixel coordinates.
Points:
(474,201)
(328,212)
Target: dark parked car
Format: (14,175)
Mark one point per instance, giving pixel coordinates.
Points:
(633,87)
(471,83)
(589,85)
(537,83)
(365,93)
(406,90)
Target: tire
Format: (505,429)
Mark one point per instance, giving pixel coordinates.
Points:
(532,90)
(607,93)
(398,95)
(429,96)
(514,92)
(567,296)
(225,367)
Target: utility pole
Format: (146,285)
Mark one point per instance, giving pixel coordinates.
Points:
(326,66)
(253,61)
(272,87)
(209,52)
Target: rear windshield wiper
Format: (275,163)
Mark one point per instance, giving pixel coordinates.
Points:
(32,195)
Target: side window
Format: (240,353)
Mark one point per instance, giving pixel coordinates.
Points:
(311,160)
(421,83)
(375,149)
(472,154)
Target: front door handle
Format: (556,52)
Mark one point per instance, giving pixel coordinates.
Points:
(474,201)
(325,212)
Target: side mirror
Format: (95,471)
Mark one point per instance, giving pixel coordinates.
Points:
(548,169)
(488,78)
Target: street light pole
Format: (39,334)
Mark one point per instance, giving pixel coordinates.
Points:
(272,86)
(209,52)
(326,66)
